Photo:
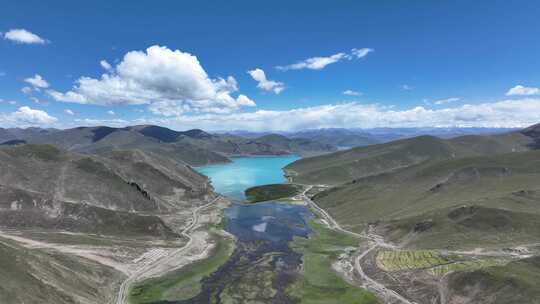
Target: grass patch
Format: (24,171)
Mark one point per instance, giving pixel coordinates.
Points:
(184,283)
(42,152)
(320,284)
(271,192)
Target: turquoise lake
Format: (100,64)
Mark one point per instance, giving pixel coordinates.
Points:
(232,179)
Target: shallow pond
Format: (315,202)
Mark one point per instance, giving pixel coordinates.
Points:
(269,221)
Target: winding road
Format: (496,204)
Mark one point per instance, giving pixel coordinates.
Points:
(123,292)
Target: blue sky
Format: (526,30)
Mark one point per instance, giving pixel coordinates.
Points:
(402,63)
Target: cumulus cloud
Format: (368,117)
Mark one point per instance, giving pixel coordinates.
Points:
(161,78)
(406,87)
(37,82)
(25,117)
(111,112)
(105,65)
(24,37)
(69,112)
(352,93)
(243,100)
(520,90)
(319,63)
(447,100)
(265,84)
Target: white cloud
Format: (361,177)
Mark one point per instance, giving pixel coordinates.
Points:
(319,63)
(105,65)
(360,53)
(26,90)
(406,87)
(111,112)
(243,100)
(38,101)
(23,36)
(10,102)
(25,117)
(314,63)
(447,100)
(161,78)
(37,82)
(69,112)
(505,113)
(265,84)
(117,122)
(352,93)
(520,90)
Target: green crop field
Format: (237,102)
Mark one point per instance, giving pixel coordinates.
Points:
(432,260)
(405,260)
(467,266)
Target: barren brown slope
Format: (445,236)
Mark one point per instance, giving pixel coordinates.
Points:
(45,187)
(39,276)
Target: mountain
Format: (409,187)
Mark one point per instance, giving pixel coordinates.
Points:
(431,190)
(347,165)
(354,137)
(346,138)
(44,187)
(194,147)
(300,146)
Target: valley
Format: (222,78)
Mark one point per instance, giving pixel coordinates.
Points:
(401,222)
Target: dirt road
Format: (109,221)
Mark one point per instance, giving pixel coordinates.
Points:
(165,258)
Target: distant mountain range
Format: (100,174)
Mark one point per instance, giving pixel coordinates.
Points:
(194,147)
(349,138)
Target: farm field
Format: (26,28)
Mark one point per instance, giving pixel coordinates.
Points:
(436,263)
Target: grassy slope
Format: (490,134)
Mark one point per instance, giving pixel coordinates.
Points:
(494,182)
(319,283)
(271,192)
(465,228)
(185,282)
(350,164)
(345,166)
(514,283)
